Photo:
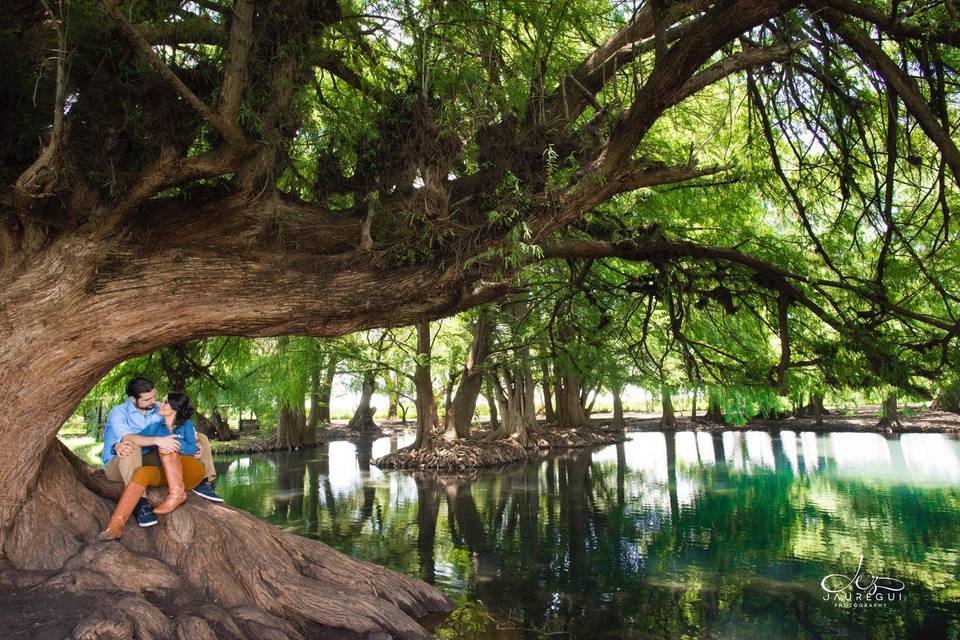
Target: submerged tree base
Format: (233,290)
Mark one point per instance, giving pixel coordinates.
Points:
(477,451)
(206,571)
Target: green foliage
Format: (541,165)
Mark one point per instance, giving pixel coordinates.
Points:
(470,621)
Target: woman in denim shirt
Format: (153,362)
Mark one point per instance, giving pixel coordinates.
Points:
(176,440)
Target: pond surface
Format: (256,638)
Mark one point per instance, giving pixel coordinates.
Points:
(687,535)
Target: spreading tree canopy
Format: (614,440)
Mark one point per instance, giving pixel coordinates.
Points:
(178,170)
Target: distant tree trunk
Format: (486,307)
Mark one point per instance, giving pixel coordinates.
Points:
(618,423)
(693,404)
(362,419)
(221,428)
(392,383)
(947,399)
(203,425)
(292,432)
(584,396)
(816,399)
(715,411)
(549,413)
(890,414)
(667,416)
(314,398)
(512,389)
(492,405)
(326,390)
(427,418)
(457,420)
(570,411)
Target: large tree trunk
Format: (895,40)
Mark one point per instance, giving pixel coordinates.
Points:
(570,411)
(292,429)
(428,420)
(460,415)
(362,419)
(205,567)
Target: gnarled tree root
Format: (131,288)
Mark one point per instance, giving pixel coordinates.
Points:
(206,571)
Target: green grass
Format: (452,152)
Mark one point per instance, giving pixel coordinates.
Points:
(85,447)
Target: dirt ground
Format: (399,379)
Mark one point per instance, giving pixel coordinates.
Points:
(38,613)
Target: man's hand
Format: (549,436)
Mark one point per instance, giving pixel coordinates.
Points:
(123,449)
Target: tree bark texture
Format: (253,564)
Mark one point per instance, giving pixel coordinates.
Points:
(464,403)
(292,429)
(428,420)
(570,409)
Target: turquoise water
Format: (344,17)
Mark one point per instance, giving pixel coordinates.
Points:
(665,536)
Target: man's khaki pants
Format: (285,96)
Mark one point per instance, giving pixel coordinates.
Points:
(121,469)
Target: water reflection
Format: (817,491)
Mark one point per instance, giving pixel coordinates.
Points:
(663,536)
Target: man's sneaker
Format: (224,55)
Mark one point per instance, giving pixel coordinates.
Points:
(144,513)
(205,490)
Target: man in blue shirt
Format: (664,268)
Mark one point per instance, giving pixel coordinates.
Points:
(121,459)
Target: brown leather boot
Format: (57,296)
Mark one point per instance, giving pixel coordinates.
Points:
(125,506)
(176,495)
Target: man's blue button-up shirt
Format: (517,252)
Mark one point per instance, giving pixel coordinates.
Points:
(125,419)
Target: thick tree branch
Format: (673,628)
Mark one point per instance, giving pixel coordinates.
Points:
(718,26)
(229,130)
(238,60)
(163,174)
(890,25)
(42,178)
(577,89)
(657,248)
(874,56)
(736,63)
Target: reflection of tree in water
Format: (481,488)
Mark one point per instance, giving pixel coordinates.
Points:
(579,542)
(428,507)
(288,500)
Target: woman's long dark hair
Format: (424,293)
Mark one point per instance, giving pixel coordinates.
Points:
(180,402)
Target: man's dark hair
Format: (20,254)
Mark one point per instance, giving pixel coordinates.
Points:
(180,402)
(138,385)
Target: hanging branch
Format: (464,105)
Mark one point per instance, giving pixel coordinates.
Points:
(898,80)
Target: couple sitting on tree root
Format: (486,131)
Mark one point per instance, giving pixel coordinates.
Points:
(146,444)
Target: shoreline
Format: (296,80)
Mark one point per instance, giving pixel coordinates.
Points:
(865,422)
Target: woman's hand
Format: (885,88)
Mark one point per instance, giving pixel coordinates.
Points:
(168,443)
